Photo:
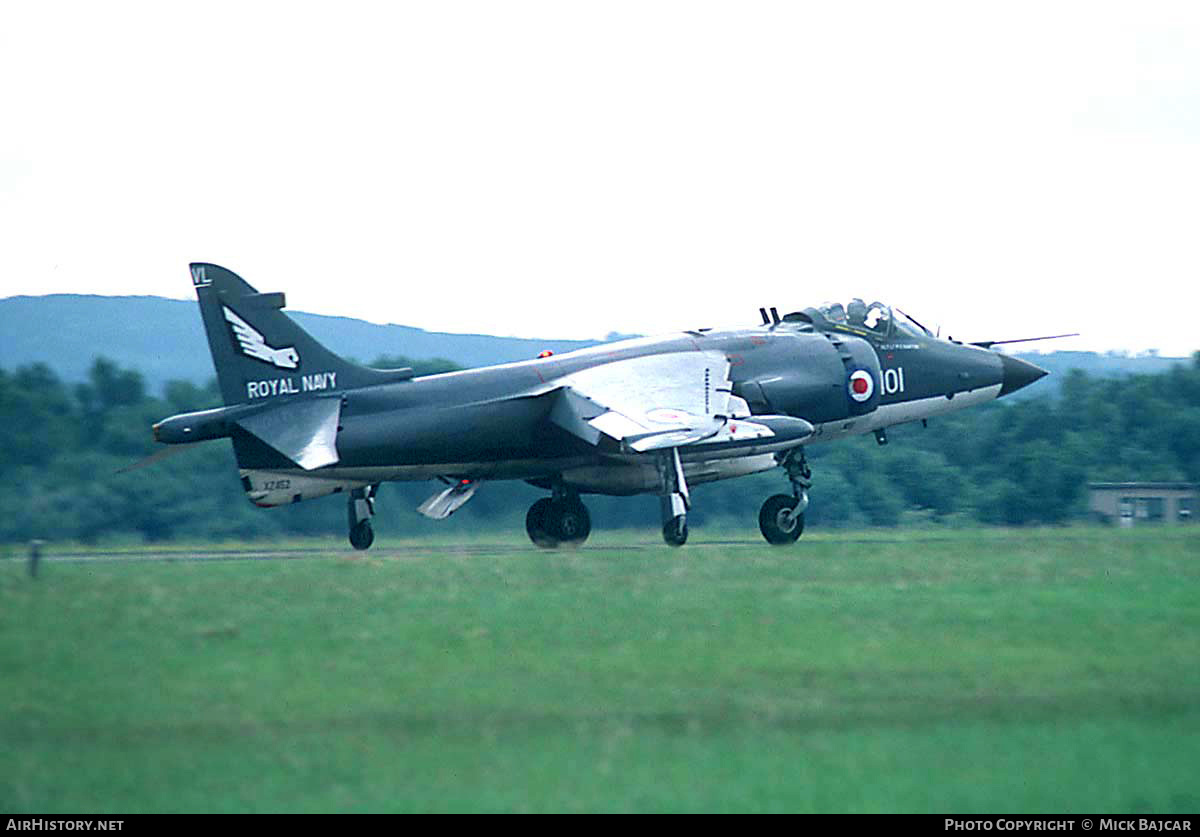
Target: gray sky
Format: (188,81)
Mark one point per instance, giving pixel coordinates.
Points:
(565,169)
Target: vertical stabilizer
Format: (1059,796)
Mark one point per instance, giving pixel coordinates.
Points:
(260,353)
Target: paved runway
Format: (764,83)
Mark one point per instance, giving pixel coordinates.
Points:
(622,542)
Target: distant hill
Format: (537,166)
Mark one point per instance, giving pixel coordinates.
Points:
(164,340)
(1102,365)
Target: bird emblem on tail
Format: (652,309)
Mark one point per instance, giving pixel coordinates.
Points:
(254,345)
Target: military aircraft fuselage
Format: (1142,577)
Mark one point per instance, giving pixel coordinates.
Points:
(648,415)
(476,420)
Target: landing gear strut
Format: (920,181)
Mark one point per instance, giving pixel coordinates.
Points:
(359,508)
(673,497)
(559,520)
(781,518)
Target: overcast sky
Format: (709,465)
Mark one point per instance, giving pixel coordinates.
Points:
(566,169)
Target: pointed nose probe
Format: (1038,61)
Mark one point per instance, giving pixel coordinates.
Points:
(1018,373)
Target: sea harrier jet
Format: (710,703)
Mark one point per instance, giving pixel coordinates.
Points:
(643,416)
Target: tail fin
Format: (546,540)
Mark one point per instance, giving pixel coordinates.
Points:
(261,353)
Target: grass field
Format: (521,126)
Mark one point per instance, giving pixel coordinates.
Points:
(965,671)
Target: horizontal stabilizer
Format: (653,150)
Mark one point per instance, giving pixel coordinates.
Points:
(303,431)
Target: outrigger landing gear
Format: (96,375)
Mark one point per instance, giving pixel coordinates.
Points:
(781,519)
(359,508)
(674,498)
(559,520)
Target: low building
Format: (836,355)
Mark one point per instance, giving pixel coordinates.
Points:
(1129,503)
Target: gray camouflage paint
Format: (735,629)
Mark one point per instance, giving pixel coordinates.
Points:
(493,422)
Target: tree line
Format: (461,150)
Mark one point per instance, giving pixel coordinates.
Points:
(1012,463)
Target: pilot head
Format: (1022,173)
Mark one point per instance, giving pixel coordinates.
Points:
(856,312)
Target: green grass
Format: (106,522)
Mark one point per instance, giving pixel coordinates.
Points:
(967,671)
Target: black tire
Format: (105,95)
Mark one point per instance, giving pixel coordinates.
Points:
(537,524)
(675,531)
(362,535)
(570,522)
(778,520)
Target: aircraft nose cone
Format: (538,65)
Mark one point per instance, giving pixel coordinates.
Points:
(1018,373)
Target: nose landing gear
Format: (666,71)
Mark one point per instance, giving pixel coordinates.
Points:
(781,518)
(780,521)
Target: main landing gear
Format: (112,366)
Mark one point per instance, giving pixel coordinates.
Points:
(359,508)
(561,520)
(781,518)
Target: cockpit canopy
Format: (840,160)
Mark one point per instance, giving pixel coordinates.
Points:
(876,317)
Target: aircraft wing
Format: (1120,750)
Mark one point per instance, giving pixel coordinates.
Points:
(656,402)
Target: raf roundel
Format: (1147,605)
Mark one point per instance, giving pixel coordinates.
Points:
(861,386)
